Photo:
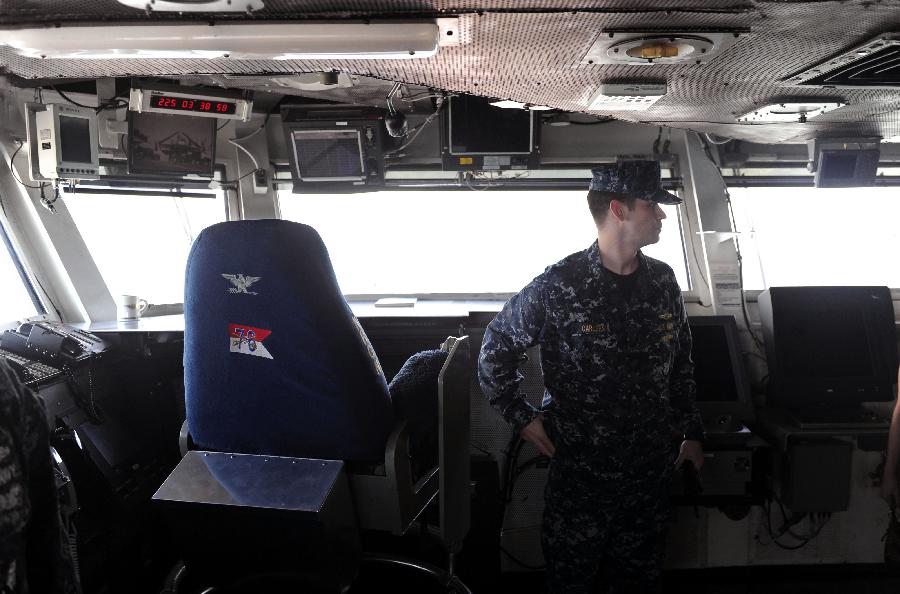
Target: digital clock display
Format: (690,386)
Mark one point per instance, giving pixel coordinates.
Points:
(175,103)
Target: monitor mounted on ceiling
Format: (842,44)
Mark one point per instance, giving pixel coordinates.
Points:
(477,136)
(334,148)
(171,146)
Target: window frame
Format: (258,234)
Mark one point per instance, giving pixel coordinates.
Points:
(40,308)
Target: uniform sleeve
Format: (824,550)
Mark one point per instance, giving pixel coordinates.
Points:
(507,337)
(682,388)
(50,567)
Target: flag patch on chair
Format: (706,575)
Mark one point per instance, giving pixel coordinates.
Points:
(248,340)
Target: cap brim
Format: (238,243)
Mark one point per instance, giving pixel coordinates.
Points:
(663,197)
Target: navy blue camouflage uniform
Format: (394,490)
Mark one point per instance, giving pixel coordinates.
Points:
(620,380)
(34,550)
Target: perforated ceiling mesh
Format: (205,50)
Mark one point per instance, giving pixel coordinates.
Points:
(531,51)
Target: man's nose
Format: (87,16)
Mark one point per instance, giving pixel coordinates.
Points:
(660,213)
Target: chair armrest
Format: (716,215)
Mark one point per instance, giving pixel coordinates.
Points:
(454,403)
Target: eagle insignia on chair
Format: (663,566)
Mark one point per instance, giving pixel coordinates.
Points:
(241,283)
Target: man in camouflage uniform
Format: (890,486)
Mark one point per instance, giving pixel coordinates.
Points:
(615,350)
(34,553)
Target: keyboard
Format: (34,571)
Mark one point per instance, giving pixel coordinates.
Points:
(854,418)
(32,373)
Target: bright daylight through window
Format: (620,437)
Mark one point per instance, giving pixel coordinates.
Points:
(15,301)
(458,242)
(140,243)
(807,236)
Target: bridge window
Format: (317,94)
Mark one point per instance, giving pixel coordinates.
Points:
(403,242)
(818,236)
(140,243)
(15,298)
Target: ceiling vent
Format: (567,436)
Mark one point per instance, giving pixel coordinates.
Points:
(790,111)
(874,64)
(658,47)
(194,5)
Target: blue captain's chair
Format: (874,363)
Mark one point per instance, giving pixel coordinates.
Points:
(278,371)
(274,360)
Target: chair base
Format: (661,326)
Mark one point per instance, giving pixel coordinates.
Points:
(445,578)
(179,580)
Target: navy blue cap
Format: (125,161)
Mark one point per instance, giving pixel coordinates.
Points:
(633,178)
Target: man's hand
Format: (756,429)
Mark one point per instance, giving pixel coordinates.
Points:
(690,450)
(534,432)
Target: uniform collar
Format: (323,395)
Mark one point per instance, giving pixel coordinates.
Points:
(596,264)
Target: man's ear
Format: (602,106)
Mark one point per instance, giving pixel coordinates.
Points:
(618,209)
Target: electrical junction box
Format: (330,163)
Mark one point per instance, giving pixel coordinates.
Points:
(627,96)
(816,476)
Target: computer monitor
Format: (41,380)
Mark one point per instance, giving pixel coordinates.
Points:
(166,145)
(847,168)
(723,386)
(334,148)
(329,155)
(829,346)
(481,137)
(844,162)
(66,142)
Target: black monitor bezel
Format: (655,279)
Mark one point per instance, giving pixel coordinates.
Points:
(367,121)
(742,408)
(134,169)
(295,160)
(488,161)
(790,392)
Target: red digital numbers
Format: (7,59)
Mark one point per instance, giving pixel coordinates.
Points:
(188,104)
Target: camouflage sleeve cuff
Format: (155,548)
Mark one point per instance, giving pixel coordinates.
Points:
(519,413)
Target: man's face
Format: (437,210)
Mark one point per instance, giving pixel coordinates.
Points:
(643,223)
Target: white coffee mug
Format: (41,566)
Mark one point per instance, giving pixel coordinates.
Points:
(130,307)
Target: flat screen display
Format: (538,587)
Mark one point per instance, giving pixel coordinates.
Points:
(163,144)
(714,370)
(328,155)
(829,346)
(827,343)
(75,139)
(478,128)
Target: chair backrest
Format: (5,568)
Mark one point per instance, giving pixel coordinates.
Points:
(274,360)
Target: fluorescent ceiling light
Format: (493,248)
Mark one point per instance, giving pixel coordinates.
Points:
(789,112)
(508,104)
(272,41)
(195,5)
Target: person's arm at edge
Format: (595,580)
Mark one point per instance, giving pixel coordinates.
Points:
(514,330)
(683,390)
(890,486)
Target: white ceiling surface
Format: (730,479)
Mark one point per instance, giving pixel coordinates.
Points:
(533,52)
